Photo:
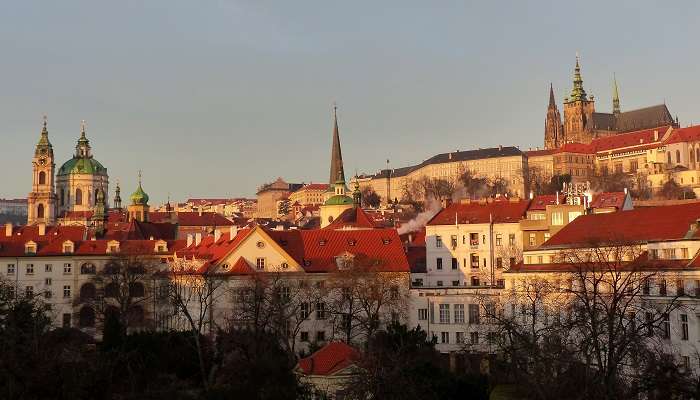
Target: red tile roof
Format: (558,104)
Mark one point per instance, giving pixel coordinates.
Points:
(688,134)
(576,148)
(537,153)
(608,200)
(631,139)
(353,218)
(540,202)
(498,211)
(314,186)
(638,225)
(331,358)
(192,218)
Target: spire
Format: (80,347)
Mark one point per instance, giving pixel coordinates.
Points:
(82,149)
(117,197)
(44,138)
(356,194)
(337,172)
(616,97)
(578,93)
(552,102)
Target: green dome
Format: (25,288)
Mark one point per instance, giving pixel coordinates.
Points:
(139,197)
(76,165)
(338,200)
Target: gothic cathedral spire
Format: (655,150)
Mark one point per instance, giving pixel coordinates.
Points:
(337,173)
(616,97)
(553,130)
(577,92)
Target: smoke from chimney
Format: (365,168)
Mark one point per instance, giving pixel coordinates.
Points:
(432,207)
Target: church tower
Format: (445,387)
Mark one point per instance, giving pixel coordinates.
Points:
(578,111)
(553,130)
(41,202)
(337,172)
(616,98)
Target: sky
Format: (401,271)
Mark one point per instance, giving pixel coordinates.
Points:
(214,98)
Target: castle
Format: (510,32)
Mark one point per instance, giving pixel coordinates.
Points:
(582,123)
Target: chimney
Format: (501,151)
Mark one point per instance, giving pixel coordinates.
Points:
(200,211)
(532,195)
(449,156)
(500,147)
(625,190)
(189,239)
(217,235)
(656,135)
(8,229)
(42,229)
(197,238)
(233,232)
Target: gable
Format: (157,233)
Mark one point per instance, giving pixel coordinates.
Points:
(259,244)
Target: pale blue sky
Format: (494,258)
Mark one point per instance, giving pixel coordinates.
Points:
(213,98)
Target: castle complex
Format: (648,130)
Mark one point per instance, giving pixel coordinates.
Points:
(582,123)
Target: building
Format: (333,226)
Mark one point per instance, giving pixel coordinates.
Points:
(311,194)
(330,370)
(41,202)
(508,163)
(270,194)
(582,123)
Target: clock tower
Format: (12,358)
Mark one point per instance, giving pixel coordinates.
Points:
(41,202)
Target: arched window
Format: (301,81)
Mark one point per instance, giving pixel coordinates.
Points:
(136,289)
(678,156)
(87,292)
(697,154)
(86,318)
(63,197)
(78,197)
(669,157)
(692,156)
(40,211)
(135,316)
(42,178)
(111,290)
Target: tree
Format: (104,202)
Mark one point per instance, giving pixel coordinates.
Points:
(402,363)
(671,190)
(585,326)
(370,198)
(192,291)
(283,207)
(419,190)
(363,297)
(616,182)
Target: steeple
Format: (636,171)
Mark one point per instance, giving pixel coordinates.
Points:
(616,97)
(44,145)
(578,93)
(552,102)
(82,149)
(356,194)
(553,130)
(337,172)
(117,197)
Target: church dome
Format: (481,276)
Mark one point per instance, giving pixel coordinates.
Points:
(88,166)
(338,200)
(139,197)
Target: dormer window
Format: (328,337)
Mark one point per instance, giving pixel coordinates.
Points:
(68,247)
(322,242)
(352,242)
(113,246)
(387,241)
(161,246)
(225,266)
(30,248)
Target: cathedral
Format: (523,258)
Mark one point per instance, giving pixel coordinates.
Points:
(582,123)
(80,185)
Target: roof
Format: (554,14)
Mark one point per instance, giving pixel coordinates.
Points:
(330,359)
(608,200)
(632,226)
(82,166)
(641,118)
(492,152)
(576,148)
(338,200)
(314,186)
(192,218)
(688,134)
(315,250)
(540,202)
(353,218)
(475,212)
(538,153)
(641,263)
(631,139)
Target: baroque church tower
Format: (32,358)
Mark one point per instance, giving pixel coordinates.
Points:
(553,129)
(578,111)
(41,202)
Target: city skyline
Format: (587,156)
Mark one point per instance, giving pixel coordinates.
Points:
(256,91)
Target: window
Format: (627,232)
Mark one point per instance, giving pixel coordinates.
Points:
(618,168)
(321,336)
(680,287)
(678,156)
(455,283)
(422,314)
(669,254)
(320,311)
(646,285)
(88,269)
(29,291)
(438,241)
(66,291)
(473,313)
(459,313)
(697,288)
(453,241)
(445,337)
(475,281)
(66,320)
(684,326)
(654,254)
(684,253)
(459,337)
(67,248)
(473,239)
(499,262)
(666,327)
(662,287)
(455,263)
(558,218)
(444,313)
(304,336)
(10,269)
(260,263)
(47,281)
(48,268)
(531,239)
(438,263)
(439,283)
(30,269)
(499,239)
(474,337)
(304,310)
(474,260)
(633,166)
(511,239)
(67,268)
(546,236)
(48,294)
(78,197)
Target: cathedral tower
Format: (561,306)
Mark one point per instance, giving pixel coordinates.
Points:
(41,202)
(553,130)
(337,172)
(578,111)
(616,97)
